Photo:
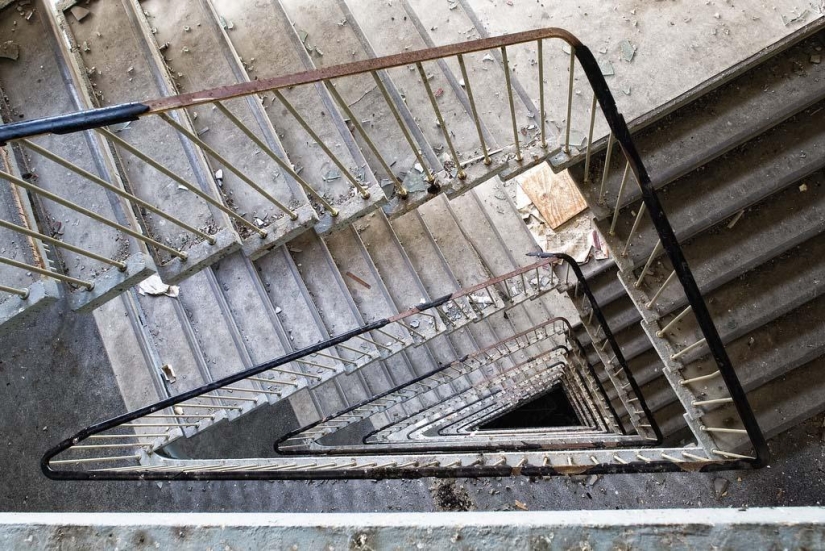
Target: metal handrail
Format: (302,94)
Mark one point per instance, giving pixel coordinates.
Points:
(106,116)
(608,335)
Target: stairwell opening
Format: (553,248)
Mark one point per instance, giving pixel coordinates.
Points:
(551,409)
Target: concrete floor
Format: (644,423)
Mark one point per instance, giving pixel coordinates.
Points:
(53,391)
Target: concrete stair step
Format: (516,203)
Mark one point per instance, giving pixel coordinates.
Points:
(717,123)
(767,230)
(16,208)
(406,289)
(266,44)
(760,357)
(718,256)
(113,68)
(49,91)
(375,302)
(303,326)
(195,48)
(763,294)
(778,406)
(777,159)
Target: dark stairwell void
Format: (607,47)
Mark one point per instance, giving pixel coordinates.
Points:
(551,409)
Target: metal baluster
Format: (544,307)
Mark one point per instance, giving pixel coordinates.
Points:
(506,64)
(22,293)
(731,455)
(608,153)
(699,379)
(114,189)
(285,166)
(229,166)
(722,430)
(541,94)
(590,140)
(473,110)
(570,100)
(649,305)
(634,228)
(191,187)
(650,260)
(58,243)
(93,215)
(23,266)
(334,158)
(388,100)
(348,112)
(687,349)
(279,382)
(618,200)
(697,403)
(674,321)
(460,172)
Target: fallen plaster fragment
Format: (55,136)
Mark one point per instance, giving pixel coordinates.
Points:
(80,13)
(154,286)
(607,68)
(628,50)
(10,50)
(168,373)
(789,20)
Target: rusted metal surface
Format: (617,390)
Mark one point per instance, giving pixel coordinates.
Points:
(356,67)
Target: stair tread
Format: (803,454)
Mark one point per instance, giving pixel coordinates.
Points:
(35,89)
(264,38)
(206,61)
(720,120)
(134,373)
(374,303)
(13,245)
(213,331)
(170,338)
(764,231)
(112,54)
(744,177)
(761,295)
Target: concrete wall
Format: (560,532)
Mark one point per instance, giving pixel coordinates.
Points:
(640,530)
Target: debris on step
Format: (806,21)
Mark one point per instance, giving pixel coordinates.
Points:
(598,246)
(788,20)
(720,487)
(628,50)
(521,505)
(155,287)
(9,50)
(168,373)
(816,59)
(120,127)
(488,57)
(358,280)
(219,177)
(803,188)
(606,68)
(80,13)
(554,195)
(735,219)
